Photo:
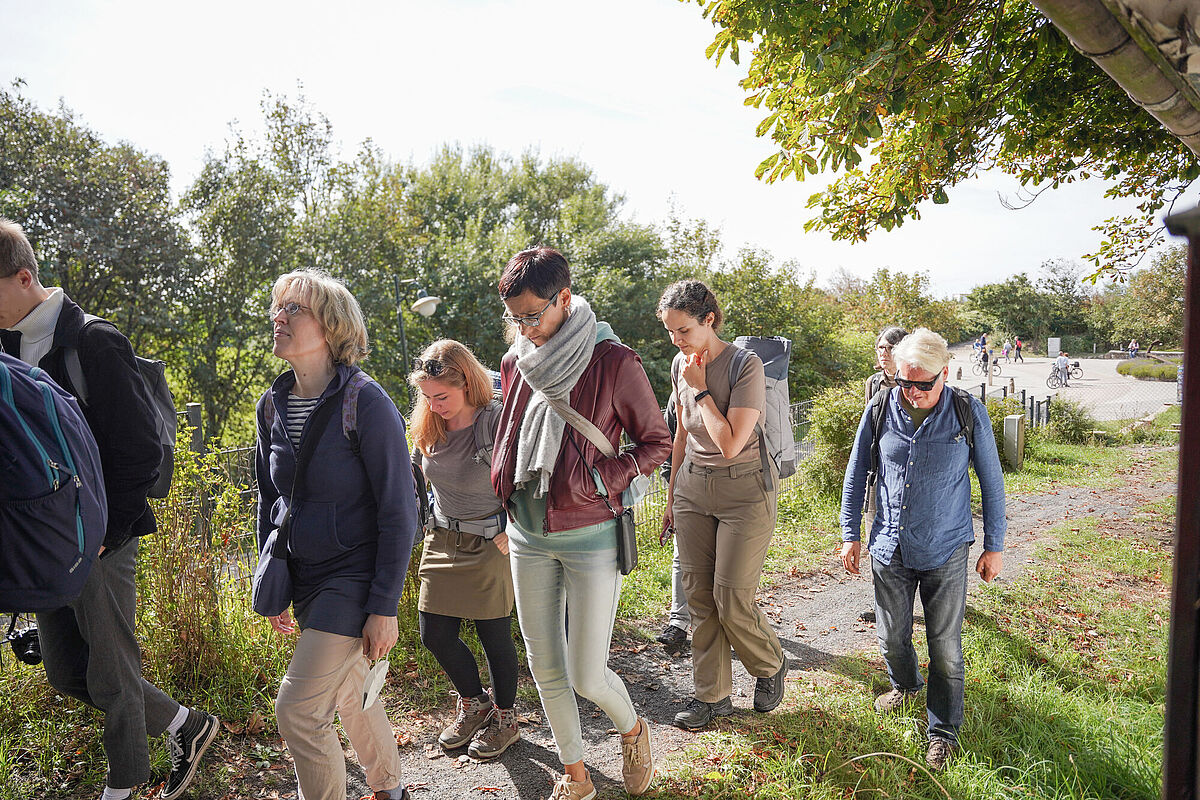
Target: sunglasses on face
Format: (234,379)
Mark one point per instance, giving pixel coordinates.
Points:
(430,366)
(924,386)
(293,308)
(531,321)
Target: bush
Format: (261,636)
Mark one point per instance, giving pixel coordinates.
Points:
(997,410)
(1146,369)
(833,423)
(1070,422)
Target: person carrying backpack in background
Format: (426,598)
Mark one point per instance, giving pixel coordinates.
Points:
(916,447)
(722,506)
(1017,345)
(465,574)
(674,636)
(90,647)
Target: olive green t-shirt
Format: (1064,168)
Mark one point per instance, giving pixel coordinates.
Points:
(918,415)
(748,391)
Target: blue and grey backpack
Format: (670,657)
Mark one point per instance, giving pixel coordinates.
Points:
(53,511)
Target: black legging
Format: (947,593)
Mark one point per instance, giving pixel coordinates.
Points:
(440,635)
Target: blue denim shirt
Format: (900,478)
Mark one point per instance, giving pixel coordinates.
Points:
(924,490)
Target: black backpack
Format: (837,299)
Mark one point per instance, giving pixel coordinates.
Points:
(962,410)
(53,512)
(157,396)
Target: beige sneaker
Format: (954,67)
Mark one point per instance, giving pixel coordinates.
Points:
(637,762)
(567,789)
(496,737)
(473,714)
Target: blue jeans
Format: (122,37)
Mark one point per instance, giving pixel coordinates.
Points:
(944,597)
(550,578)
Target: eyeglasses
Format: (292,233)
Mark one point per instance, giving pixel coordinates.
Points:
(883,348)
(292,309)
(533,321)
(924,386)
(430,366)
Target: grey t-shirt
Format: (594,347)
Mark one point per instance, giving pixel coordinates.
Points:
(748,391)
(462,486)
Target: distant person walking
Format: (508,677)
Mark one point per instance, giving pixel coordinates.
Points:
(1063,365)
(674,637)
(1007,349)
(1017,345)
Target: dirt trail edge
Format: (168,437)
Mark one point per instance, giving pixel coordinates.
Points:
(816,617)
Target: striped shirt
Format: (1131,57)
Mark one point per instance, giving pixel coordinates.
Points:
(298,411)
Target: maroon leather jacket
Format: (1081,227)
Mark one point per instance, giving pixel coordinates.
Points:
(615,394)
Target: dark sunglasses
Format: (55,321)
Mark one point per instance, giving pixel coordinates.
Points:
(430,366)
(924,386)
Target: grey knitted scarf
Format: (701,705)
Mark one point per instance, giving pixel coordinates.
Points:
(551,370)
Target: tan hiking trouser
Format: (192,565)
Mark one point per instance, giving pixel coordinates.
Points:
(325,676)
(724,519)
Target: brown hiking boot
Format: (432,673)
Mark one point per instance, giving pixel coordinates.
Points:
(940,751)
(473,714)
(495,737)
(893,701)
(567,789)
(637,762)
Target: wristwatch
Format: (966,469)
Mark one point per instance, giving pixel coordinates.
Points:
(701,395)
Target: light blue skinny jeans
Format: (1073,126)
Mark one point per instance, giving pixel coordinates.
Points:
(549,576)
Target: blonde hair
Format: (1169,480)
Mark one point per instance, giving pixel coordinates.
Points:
(333,307)
(923,349)
(461,369)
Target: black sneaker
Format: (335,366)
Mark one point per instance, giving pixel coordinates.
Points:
(698,713)
(673,639)
(186,746)
(768,692)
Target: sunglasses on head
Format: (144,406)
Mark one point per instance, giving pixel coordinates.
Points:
(923,386)
(430,366)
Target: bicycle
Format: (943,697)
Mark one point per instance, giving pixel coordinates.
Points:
(1076,371)
(977,367)
(1054,380)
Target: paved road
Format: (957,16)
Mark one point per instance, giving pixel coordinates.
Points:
(1108,394)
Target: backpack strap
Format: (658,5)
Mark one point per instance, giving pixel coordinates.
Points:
(736,363)
(966,416)
(481,430)
(350,407)
(74,368)
(877,408)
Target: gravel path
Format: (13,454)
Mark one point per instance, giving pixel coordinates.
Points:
(815,615)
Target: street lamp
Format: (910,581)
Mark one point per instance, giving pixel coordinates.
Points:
(425,305)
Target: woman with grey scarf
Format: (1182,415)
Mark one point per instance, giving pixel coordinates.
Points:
(549,475)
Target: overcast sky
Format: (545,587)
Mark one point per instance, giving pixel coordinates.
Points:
(623,85)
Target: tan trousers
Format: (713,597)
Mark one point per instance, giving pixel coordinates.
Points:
(326,676)
(724,520)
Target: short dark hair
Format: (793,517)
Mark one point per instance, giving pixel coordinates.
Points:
(542,270)
(693,298)
(892,334)
(16,253)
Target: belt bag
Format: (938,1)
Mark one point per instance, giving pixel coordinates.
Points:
(271,587)
(626,529)
(487,527)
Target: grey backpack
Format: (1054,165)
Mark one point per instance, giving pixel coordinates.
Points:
(776,439)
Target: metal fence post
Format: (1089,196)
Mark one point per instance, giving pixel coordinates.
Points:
(1047,409)
(195,421)
(983,393)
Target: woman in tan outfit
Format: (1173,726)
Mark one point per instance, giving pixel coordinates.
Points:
(719,506)
(464,564)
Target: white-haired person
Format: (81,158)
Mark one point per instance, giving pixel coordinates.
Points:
(922,531)
(351,530)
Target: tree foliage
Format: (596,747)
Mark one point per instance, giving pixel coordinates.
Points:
(907,98)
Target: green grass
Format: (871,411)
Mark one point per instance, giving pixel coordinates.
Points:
(1148,369)
(1064,698)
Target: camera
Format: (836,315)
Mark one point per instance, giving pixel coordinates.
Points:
(26,645)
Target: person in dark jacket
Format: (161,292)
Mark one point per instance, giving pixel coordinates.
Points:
(90,647)
(562,543)
(350,535)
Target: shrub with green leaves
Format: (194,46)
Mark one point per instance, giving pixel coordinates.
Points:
(1070,422)
(1146,369)
(997,410)
(833,423)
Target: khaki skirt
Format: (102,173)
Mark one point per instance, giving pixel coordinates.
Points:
(465,576)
